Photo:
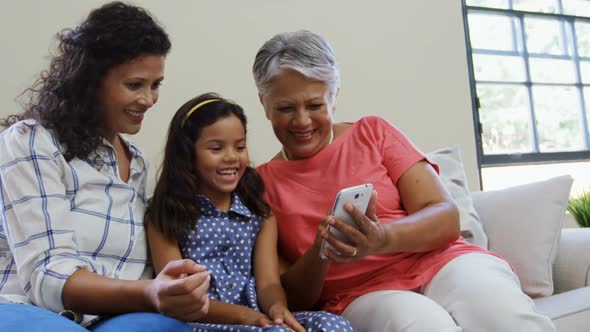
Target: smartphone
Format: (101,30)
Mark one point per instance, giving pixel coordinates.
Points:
(359,196)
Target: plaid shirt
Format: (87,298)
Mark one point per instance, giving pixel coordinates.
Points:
(58,216)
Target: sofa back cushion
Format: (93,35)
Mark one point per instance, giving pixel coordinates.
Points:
(523,224)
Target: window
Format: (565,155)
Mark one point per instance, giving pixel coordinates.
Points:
(530,74)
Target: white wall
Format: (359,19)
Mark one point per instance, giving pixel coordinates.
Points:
(402,60)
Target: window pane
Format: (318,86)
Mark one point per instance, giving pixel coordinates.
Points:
(498,68)
(587,103)
(488,3)
(557,110)
(504,115)
(576,7)
(583,38)
(544,6)
(552,71)
(585,71)
(492,32)
(545,36)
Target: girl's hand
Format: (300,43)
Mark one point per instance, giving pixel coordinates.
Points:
(255,318)
(368,239)
(180,291)
(280,315)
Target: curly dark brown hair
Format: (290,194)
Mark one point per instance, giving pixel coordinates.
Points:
(173,209)
(64,98)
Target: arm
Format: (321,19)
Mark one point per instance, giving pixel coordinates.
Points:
(432,221)
(433,216)
(303,281)
(171,293)
(271,295)
(162,249)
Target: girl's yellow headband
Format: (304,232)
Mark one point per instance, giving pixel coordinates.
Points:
(192,110)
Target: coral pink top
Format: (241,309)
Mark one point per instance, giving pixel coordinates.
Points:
(301,192)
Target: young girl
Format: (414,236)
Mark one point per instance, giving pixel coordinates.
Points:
(208,207)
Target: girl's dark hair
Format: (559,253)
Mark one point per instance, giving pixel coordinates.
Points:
(65,97)
(173,209)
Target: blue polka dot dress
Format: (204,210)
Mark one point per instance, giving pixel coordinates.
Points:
(223,241)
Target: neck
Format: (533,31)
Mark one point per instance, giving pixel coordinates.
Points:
(286,156)
(222,201)
(110,136)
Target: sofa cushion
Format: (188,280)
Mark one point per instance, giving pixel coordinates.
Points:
(570,311)
(523,224)
(453,177)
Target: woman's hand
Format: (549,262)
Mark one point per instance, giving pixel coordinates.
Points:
(368,239)
(180,291)
(280,315)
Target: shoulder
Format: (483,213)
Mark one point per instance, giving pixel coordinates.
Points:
(370,127)
(25,138)
(262,169)
(375,122)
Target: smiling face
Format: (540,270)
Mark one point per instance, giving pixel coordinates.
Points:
(127,92)
(222,158)
(300,111)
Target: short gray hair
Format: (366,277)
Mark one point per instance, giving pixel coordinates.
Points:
(302,51)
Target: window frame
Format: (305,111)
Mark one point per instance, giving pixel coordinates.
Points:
(535,157)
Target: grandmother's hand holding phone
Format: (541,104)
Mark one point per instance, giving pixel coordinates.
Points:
(363,237)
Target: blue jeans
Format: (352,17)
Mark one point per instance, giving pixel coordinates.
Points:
(24,317)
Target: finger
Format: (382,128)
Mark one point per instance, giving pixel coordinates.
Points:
(372,207)
(201,290)
(189,312)
(263,321)
(324,223)
(197,313)
(353,235)
(182,266)
(175,305)
(276,316)
(187,285)
(334,257)
(342,249)
(360,219)
(292,323)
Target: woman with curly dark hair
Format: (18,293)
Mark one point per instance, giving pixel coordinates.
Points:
(72,189)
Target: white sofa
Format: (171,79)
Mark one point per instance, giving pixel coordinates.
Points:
(569,306)
(525,224)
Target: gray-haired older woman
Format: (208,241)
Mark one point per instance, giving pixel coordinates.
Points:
(405,267)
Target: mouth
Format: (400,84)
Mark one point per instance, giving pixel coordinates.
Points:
(228,174)
(303,136)
(136,116)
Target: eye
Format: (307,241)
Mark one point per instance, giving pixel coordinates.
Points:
(241,148)
(133,85)
(284,109)
(156,85)
(315,106)
(215,148)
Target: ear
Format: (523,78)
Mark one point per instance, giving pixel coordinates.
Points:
(334,102)
(266,113)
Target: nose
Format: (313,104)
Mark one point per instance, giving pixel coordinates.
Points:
(148,98)
(230,154)
(301,118)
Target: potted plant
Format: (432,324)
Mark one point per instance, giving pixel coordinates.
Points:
(579,208)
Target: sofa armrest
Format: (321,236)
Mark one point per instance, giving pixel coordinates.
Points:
(572,266)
